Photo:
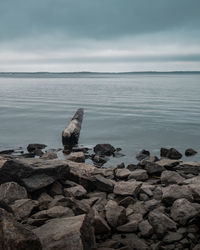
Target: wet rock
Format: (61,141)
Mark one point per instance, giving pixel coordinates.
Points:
(139,175)
(77,157)
(182,210)
(190,152)
(49,156)
(100,225)
(174,192)
(132,167)
(11,191)
(153,168)
(77,192)
(22,208)
(104,149)
(99,160)
(14,236)
(122,173)
(125,188)
(32,147)
(171,177)
(145,228)
(115,215)
(142,155)
(67,233)
(171,153)
(7,152)
(103,184)
(172,237)
(161,223)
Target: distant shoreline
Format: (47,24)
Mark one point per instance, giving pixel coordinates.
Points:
(86,74)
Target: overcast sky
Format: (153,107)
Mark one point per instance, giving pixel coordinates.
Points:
(99,35)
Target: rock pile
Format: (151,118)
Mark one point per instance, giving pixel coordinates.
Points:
(51,204)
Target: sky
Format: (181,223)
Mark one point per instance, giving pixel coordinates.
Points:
(99,35)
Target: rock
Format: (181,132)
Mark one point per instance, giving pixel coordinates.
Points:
(22,208)
(171,177)
(44,200)
(55,189)
(11,191)
(151,204)
(171,153)
(168,163)
(14,236)
(195,189)
(125,188)
(115,215)
(122,173)
(147,189)
(54,212)
(137,208)
(49,156)
(153,168)
(131,225)
(103,184)
(142,155)
(194,180)
(138,175)
(70,135)
(77,192)
(190,152)
(126,201)
(172,237)
(132,167)
(100,225)
(77,157)
(67,233)
(174,192)
(104,149)
(157,193)
(145,228)
(34,173)
(99,160)
(32,147)
(190,167)
(182,210)
(161,223)
(7,152)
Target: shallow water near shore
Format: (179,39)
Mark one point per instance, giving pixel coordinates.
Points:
(132,111)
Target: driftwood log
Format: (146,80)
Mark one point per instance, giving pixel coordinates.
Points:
(70,135)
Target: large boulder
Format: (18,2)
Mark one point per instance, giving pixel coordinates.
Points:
(11,191)
(67,233)
(171,177)
(22,208)
(14,236)
(171,153)
(34,174)
(34,146)
(104,149)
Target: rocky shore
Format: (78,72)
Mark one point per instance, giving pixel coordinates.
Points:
(48,203)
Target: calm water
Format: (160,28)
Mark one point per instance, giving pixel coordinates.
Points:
(131,111)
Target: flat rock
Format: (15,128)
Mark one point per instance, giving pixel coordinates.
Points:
(122,173)
(103,184)
(194,180)
(15,236)
(67,233)
(77,192)
(171,177)
(11,191)
(189,167)
(174,192)
(161,223)
(126,188)
(115,214)
(139,175)
(22,208)
(168,163)
(77,157)
(182,210)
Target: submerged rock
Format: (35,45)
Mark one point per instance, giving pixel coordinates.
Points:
(104,149)
(142,155)
(190,152)
(171,153)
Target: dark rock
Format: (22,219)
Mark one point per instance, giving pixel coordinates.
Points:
(190,152)
(11,191)
(125,188)
(104,149)
(189,167)
(80,149)
(77,192)
(171,153)
(171,177)
(32,147)
(153,168)
(44,200)
(99,160)
(67,233)
(142,155)
(55,189)
(182,210)
(126,201)
(138,175)
(174,192)
(161,223)
(103,184)
(136,208)
(54,212)
(7,152)
(132,167)
(100,225)
(77,157)
(115,215)
(22,208)
(172,237)
(145,228)
(14,236)
(131,225)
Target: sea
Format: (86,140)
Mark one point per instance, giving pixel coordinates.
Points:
(133,111)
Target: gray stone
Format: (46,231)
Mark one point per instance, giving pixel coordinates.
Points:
(153,168)
(190,167)
(22,208)
(161,223)
(100,225)
(182,210)
(139,175)
(125,188)
(132,224)
(77,157)
(172,237)
(67,233)
(103,184)
(56,189)
(77,192)
(122,173)
(11,191)
(115,215)
(49,156)
(145,228)
(174,192)
(171,177)
(54,212)
(195,189)
(193,180)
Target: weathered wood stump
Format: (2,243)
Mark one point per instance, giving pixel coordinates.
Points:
(70,135)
